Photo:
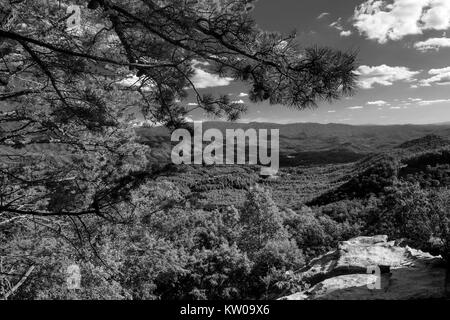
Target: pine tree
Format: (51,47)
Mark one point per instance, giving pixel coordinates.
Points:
(261,219)
(70,85)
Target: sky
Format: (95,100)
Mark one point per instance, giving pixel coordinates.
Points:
(403,53)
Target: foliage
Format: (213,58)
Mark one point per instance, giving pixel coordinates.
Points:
(372,181)
(261,221)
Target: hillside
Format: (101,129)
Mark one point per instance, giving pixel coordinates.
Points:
(425,143)
(318,178)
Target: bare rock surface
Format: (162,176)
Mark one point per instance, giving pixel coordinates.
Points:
(346,273)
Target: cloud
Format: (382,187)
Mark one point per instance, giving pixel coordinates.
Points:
(432,44)
(355,108)
(395,108)
(331,111)
(203,79)
(242,95)
(438,77)
(135,81)
(238,102)
(322,15)
(192,104)
(437,15)
(346,33)
(337,24)
(383,75)
(430,102)
(378,103)
(394,19)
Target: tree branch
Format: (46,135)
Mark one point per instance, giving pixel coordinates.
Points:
(19,284)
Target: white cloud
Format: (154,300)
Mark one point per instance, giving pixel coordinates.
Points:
(377,103)
(395,108)
(414,99)
(203,79)
(437,17)
(394,19)
(192,104)
(355,108)
(238,102)
(323,15)
(242,95)
(331,111)
(432,44)
(430,102)
(337,24)
(438,77)
(383,75)
(135,81)
(346,33)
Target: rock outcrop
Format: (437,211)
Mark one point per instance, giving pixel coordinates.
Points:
(372,268)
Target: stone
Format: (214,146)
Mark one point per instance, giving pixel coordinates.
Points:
(405,273)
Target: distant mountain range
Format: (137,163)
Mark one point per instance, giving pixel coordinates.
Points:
(312,143)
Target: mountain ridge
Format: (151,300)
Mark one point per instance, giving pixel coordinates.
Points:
(313,143)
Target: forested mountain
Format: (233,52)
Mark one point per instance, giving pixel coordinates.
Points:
(310,143)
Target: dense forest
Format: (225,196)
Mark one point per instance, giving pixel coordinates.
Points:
(225,233)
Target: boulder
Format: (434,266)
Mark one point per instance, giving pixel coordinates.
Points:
(373,268)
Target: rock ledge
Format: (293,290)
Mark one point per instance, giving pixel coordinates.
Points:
(345,274)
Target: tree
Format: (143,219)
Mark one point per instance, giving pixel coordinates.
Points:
(261,221)
(441,222)
(73,78)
